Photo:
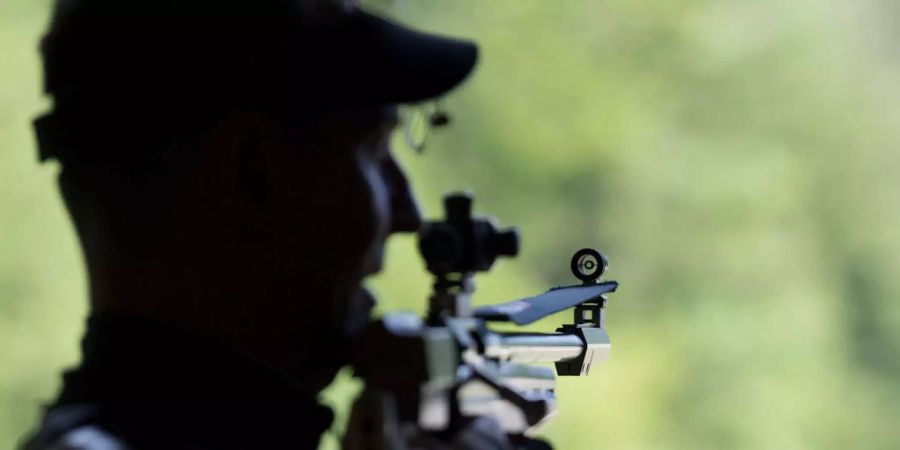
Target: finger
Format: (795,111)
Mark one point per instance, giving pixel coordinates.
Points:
(482,433)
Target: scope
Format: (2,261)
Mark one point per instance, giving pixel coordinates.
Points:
(462,243)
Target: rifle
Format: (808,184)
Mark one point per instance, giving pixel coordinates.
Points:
(431,376)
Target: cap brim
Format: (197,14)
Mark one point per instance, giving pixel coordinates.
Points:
(373,60)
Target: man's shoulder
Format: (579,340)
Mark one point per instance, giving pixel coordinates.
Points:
(85,437)
(74,427)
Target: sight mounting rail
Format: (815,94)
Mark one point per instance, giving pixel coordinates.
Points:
(450,367)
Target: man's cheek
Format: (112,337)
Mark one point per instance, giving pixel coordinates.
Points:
(353,211)
(380,202)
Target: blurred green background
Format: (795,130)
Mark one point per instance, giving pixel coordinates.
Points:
(736,160)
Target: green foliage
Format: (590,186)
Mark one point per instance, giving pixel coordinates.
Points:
(735,160)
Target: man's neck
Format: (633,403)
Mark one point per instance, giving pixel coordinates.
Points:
(279,321)
(135,370)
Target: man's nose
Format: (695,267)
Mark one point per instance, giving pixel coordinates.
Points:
(406,217)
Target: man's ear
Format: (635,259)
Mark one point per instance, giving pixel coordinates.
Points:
(238,160)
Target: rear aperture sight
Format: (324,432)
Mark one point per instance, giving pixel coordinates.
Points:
(588,265)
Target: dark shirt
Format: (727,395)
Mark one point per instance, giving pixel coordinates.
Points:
(142,385)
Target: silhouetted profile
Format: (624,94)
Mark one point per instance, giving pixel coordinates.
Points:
(226,167)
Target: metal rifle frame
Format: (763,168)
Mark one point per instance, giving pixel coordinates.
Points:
(445,370)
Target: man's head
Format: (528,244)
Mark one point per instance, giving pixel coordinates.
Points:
(249,198)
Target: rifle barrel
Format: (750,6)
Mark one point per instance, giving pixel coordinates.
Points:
(532,347)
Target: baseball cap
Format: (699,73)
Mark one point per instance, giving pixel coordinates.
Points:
(117,70)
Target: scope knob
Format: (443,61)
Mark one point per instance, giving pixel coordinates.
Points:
(458,207)
(505,243)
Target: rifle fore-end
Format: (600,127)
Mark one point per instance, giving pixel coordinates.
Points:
(429,369)
(450,367)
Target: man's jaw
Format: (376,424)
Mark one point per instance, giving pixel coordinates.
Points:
(359,311)
(362,301)
(373,262)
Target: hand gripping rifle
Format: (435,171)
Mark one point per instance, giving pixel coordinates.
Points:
(433,376)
